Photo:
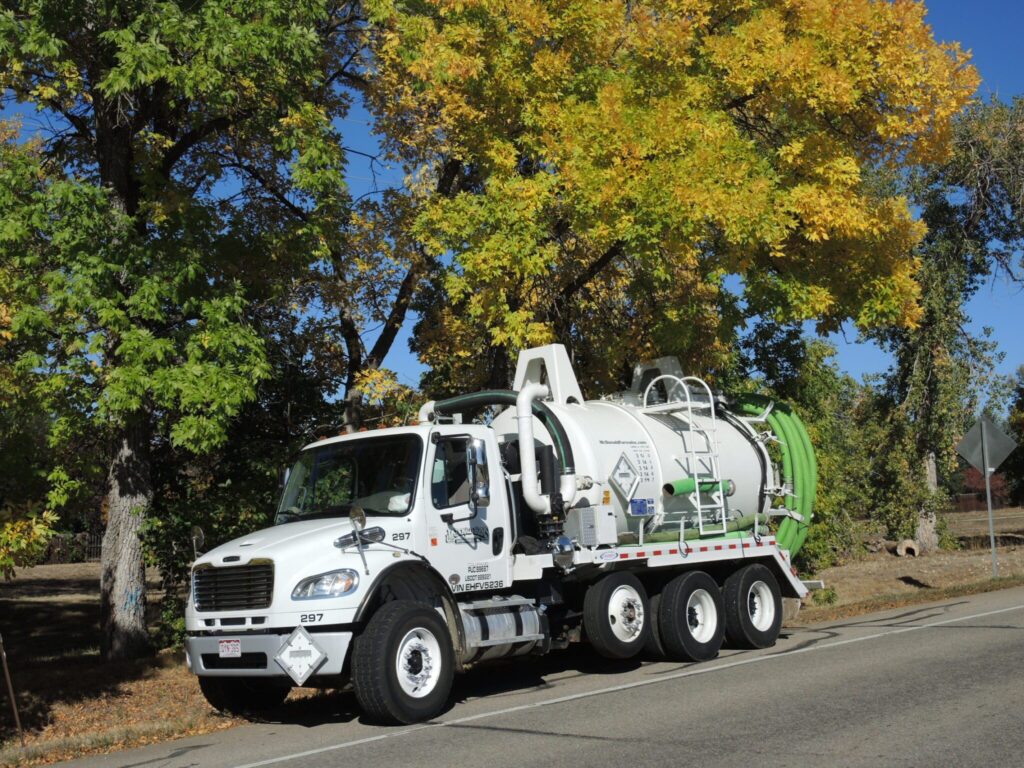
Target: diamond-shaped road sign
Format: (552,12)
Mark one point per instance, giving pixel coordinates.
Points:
(998,445)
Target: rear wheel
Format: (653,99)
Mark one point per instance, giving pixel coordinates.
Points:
(243,695)
(753,607)
(616,616)
(654,647)
(690,617)
(403,663)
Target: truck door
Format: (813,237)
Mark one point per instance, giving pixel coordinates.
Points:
(468,544)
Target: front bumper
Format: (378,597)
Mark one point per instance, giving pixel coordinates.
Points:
(202,652)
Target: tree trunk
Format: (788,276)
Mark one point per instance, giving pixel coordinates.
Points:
(927,535)
(123,578)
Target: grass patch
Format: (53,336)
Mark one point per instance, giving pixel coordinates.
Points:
(70,747)
(816,614)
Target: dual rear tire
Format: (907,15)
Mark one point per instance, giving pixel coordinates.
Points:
(684,621)
(688,620)
(753,607)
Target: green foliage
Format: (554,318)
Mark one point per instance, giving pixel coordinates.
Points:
(942,373)
(23,539)
(826,596)
(1014,466)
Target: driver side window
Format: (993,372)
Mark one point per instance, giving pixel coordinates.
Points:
(449,480)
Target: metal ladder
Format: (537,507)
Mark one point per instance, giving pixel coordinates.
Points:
(701,465)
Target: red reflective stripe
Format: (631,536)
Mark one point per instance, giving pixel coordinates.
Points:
(623,556)
(641,554)
(673,551)
(703,549)
(718,547)
(656,552)
(746,546)
(732,546)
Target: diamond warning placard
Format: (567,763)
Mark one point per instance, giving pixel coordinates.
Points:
(625,476)
(300,656)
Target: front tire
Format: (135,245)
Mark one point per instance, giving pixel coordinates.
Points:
(753,607)
(616,616)
(403,663)
(691,617)
(243,695)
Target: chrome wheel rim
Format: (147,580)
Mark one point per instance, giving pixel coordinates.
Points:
(760,606)
(418,663)
(701,615)
(626,613)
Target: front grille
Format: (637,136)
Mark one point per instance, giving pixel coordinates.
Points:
(246,661)
(238,588)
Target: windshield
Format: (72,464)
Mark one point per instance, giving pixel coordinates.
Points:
(375,473)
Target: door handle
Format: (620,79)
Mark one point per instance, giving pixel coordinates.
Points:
(497,541)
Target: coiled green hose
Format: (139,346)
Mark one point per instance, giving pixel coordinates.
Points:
(799,466)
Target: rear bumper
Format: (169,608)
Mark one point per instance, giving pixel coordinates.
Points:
(202,652)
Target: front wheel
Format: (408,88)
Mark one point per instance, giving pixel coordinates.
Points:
(753,607)
(690,617)
(403,663)
(243,695)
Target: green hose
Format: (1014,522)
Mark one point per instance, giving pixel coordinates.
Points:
(813,484)
(780,426)
(799,467)
(801,476)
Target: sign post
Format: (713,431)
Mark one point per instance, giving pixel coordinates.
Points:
(985,447)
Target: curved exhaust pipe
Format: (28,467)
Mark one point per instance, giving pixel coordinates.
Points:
(528,454)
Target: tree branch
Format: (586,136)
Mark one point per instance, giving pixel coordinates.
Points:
(592,271)
(265,184)
(396,317)
(191,138)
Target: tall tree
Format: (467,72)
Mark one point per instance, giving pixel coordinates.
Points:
(139,227)
(617,160)
(973,206)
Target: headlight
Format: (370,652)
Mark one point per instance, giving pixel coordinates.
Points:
(333,584)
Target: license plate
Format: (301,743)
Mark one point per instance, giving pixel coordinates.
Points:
(230,649)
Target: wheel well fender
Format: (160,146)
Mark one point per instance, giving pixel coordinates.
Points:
(422,584)
(785,588)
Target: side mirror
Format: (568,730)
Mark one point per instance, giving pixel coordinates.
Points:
(358,517)
(479,477)
(198,540)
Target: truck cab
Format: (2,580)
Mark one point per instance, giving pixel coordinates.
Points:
(404,513)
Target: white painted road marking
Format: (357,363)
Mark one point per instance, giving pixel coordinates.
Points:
(701,669)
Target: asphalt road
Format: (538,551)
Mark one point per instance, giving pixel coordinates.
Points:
(939,684)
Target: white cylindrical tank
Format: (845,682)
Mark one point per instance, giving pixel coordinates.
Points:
(631,453)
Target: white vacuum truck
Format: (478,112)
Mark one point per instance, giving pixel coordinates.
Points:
(401,556)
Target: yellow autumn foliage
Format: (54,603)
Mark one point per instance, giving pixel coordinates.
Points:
(622,158)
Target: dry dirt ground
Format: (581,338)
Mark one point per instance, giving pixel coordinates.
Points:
(72,705)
